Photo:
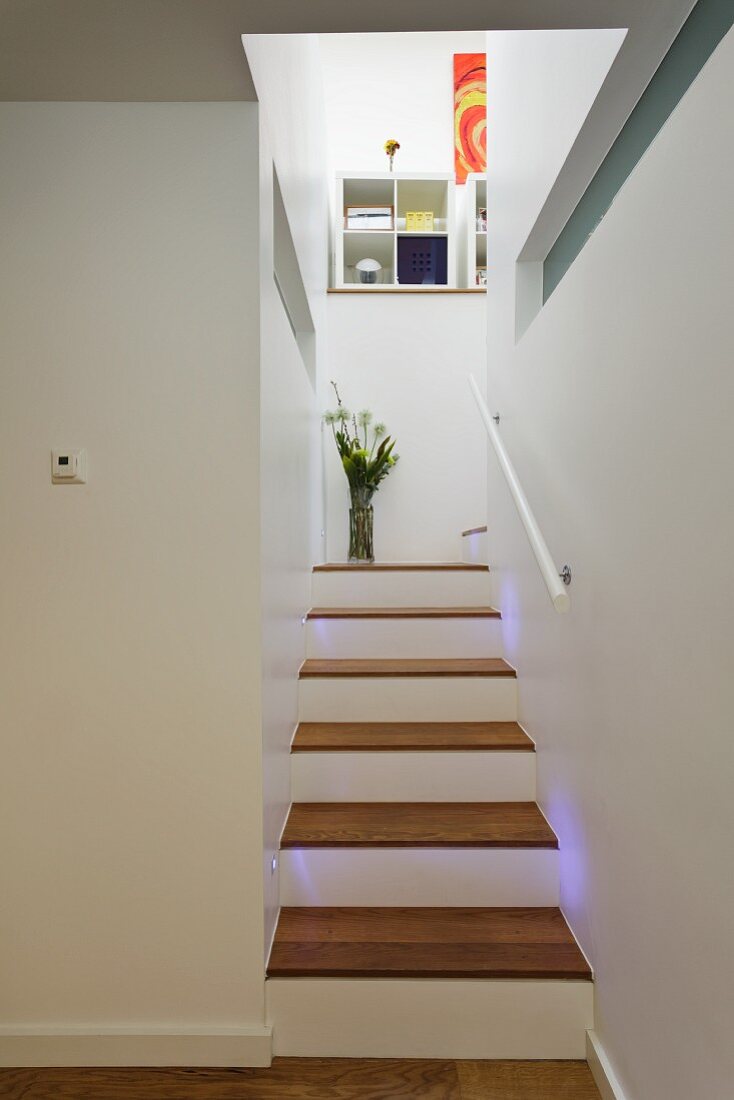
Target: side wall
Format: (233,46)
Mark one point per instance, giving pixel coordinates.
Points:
(616,409)
(130,697)
(286,71)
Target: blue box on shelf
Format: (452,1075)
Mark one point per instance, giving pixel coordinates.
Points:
(422,260)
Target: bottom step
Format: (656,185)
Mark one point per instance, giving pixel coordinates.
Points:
(420,942)
(428,1018)
(416,982)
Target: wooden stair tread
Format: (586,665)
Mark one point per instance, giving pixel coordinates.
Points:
(411,737)
(398,566)
(454,666)
(417,825)
(425,943)
(403,613)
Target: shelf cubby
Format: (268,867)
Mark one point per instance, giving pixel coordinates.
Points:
(474,242)
(373,244)
(404,192)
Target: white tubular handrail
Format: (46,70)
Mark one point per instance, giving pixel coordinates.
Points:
(551,576)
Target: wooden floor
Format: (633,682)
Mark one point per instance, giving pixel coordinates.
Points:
(312,1079)
(417,825)
(419,942)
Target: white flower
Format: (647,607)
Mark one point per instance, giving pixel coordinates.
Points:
(364,418)
(331,417)
(379,430)
(343,414)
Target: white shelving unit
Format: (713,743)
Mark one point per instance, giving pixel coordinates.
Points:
(474,251)
(403,192)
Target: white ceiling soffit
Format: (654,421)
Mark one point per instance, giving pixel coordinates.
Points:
(191,50)
(639,56)
(139,50)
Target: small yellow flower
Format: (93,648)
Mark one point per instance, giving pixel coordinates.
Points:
(391,147)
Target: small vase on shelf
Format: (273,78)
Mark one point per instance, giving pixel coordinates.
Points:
(391,148)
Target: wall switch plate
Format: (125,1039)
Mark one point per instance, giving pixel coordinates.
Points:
(69,467)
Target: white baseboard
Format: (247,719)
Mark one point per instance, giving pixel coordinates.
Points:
(601,1069)
(235,1047)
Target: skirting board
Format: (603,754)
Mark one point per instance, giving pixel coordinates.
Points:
(236,1048)
(601,1069)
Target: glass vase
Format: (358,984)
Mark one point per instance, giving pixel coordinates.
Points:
(361,547)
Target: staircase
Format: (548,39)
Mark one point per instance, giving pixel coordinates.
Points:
(418,877)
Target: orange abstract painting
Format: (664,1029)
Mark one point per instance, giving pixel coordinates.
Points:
(470,114)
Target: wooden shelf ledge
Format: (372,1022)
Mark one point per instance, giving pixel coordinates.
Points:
(405,290)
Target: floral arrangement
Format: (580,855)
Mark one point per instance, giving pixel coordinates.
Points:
(367,459)
(391,148)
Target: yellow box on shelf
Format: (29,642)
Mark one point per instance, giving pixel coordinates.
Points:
(419,221)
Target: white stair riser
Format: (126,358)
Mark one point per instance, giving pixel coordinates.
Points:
(475,548)
(386,638)
(428,1018)
(408,699)
(413,777)
(419,876)
(412,588)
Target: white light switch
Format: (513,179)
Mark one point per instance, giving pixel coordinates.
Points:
(69,467)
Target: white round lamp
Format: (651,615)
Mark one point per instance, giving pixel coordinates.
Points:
(368,270)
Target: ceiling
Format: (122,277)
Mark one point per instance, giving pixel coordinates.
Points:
(140,50)
(189,50)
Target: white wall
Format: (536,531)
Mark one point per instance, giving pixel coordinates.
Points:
(130,695)
(381,86)
(407,357)
(286,71)
(616,409)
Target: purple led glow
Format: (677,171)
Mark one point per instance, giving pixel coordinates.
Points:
(299,867)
